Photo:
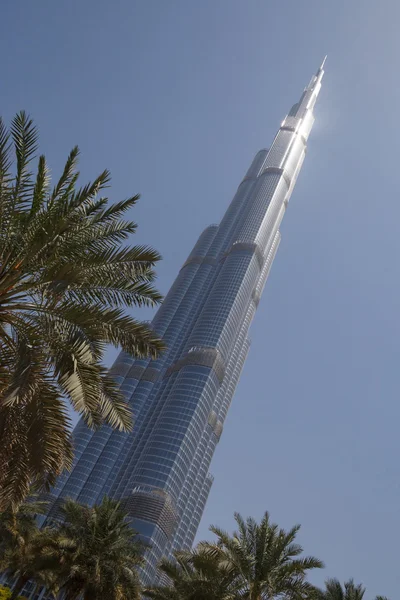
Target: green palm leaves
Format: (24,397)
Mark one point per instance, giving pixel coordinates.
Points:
(349,591)
(196,575)
(20,544)
(258,562)
(97,552)
(93,554)
(266,558)
(66,278)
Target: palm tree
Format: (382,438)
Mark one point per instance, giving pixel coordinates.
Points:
(195,575)
(16,527)
(23,563)
(265,560)
(65,281)
(97,553)
(21,544)
(350,591)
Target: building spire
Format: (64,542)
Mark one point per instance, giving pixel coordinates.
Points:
(309,96)
(316,79)
(322,64)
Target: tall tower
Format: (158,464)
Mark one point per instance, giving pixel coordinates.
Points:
(161,471)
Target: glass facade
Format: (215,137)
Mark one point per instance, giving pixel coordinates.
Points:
(160,472)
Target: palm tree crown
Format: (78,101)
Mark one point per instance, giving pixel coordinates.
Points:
(98,553)
(195,575)
(16,527)
(258,562)
(65,281)
(20,543)
(349,591)
(265,558)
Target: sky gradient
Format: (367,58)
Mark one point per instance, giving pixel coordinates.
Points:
(175,98)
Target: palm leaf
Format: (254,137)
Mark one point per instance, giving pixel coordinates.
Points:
(40,190)
(65,184)
(262,556)
(66,280)
(24,135)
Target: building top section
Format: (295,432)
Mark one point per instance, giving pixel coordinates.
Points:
(315,84)
(300,117)
(318,75)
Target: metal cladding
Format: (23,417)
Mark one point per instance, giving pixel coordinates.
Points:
(160,472)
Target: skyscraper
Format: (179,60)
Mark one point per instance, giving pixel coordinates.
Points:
(161,471)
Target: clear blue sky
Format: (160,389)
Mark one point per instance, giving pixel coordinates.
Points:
(175,97)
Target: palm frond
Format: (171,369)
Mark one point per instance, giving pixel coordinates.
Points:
(66,280)
(36,444)
(263,559)
(41,188)
(87,193)
(5,176)
(65,184)
(113,408)
(25,136)
(5,153)
(128,293)
(115,211)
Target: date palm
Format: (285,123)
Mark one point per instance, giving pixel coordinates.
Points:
(265,560)
(349,591)
(23,564)
(65,282)
(97,553)
(20,544)
(16,527)
(195,575)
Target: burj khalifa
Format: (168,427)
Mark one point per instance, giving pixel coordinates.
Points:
(160,471)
